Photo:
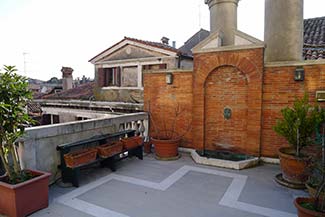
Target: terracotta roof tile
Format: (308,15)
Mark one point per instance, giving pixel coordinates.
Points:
(154,44)
(33,107)
(151,43)
(82,92)
(314,38)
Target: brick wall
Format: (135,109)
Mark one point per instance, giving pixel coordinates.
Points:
(238,80)
(163,99)
(236,83)
(226,88)
(279,91)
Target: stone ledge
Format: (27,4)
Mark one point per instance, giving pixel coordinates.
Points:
(295,63)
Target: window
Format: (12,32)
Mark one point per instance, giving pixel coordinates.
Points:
(81,118)
(126,76)
(112,77)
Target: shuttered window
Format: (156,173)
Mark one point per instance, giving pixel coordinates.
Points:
(112,77)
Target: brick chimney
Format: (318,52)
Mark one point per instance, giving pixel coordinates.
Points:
(165,40)
(223,18)
(283,33)
(67,80)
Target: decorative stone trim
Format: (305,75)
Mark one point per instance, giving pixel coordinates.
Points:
(270,160)
(295,63)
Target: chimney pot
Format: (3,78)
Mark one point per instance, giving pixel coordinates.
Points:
(165,40)
(67,80)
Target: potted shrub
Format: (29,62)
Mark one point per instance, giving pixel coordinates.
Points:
(296,126)
(22,191)
(315,204)
(165,138)
(316,169)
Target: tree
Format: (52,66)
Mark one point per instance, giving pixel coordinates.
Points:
(14,96)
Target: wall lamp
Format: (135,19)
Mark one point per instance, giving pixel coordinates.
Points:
(299,74)
(169,78)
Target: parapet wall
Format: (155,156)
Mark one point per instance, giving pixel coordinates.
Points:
(280,90)
(37,148)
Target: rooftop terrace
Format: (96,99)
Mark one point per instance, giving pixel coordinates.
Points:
(152,188)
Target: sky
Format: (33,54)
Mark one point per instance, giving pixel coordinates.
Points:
(41,36)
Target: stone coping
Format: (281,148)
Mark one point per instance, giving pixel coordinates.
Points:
(91,104)
(229,48)
(80,126)
(295,63)
(161,71)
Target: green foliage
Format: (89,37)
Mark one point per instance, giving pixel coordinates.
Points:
(308,205)
(14,95)
(298,123)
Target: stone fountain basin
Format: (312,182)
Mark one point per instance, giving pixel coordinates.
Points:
(236,164)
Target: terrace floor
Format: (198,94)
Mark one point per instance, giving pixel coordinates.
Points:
(152,188)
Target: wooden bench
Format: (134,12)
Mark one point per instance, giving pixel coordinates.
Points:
(72,174)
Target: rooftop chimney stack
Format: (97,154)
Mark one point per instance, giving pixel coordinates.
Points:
(223,18)
(283,33)
(67,80)
(174,44)
(165,40)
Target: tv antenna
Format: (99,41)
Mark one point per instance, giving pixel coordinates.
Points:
(199,7)
(25,63)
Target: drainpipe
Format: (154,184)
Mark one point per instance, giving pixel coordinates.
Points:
(179,61)
(261,122)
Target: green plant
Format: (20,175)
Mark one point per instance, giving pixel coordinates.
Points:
(297,124)
(317,176)
(14,95)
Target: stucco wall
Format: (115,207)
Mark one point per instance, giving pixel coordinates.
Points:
(38,146)
(115,94)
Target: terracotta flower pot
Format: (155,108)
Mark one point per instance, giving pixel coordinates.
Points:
(303,212)
(24,198)
(294,169)
(312,191)
(77,158)
(110,149)
(166,148)
(131,142)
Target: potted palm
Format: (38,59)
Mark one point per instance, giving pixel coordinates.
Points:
(296,126)
(165,138)
(17,185)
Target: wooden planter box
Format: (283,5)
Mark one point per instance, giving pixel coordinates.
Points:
(132,142)
(110,149)
(25,198)
(77,158)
